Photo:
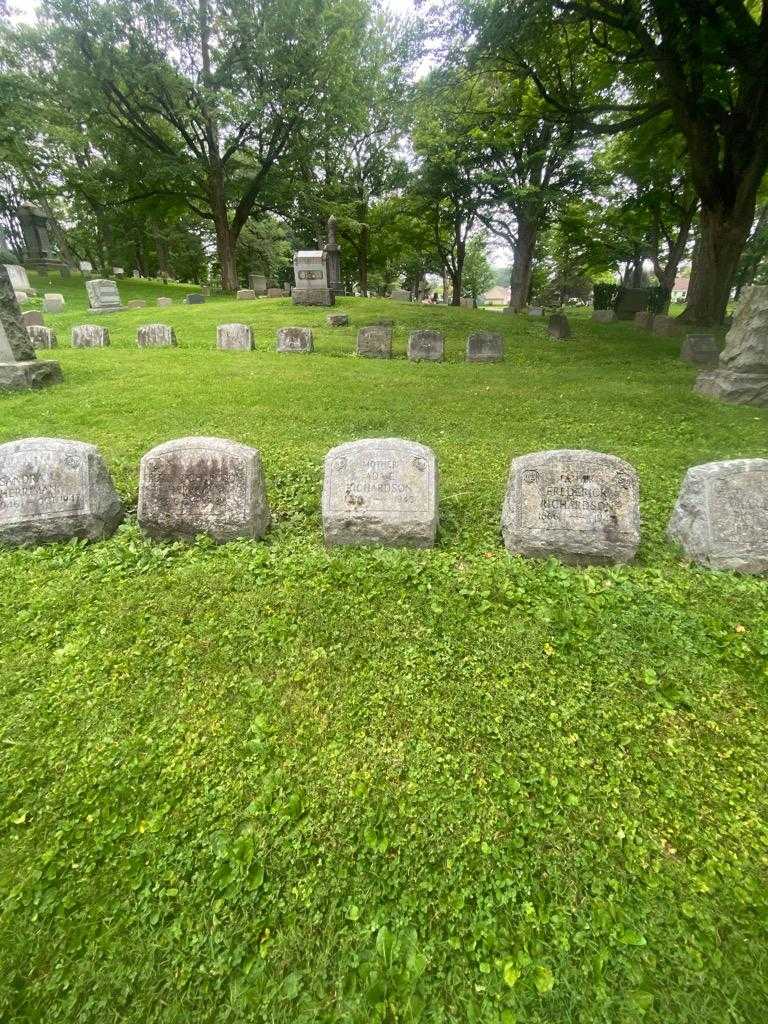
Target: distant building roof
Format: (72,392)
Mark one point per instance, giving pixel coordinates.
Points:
(681,284)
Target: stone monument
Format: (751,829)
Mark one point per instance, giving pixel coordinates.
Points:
(39,250)
(741,377)
(721,515)
(295,339)
(234,337)
(203,485)
(375,342)
(42,337)
(337,320)
(103,296)
(380,491)
(156,336)
(90,336)
(311,272)
(332,252)
(426,346)
(558,327)
(604,316)
(485,347)
(244,294)
(665,326)
(53,302)
(580,506)
(194,299)
(136,304)
(700,350)
(32,318)
(19,366)
(19,279)
(53,490)
(630,301)
(257,283)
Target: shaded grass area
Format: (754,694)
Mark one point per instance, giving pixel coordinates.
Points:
(269,782)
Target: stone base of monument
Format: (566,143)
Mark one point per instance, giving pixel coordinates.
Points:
(313,297)
(107,309)
(733,387)
(35,373)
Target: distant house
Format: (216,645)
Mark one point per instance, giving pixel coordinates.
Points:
(680,289)
(497,296)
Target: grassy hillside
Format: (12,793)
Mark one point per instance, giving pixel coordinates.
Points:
(270,782)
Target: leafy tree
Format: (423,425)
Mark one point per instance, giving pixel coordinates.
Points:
(479,275)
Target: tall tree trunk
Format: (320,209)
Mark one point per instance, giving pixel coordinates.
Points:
(522,264)
(637,272)
(457,271)
(722,237)
(225,237)
(362,259)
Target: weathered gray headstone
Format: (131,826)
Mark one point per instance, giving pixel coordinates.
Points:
(52,490)
(164,301)
(194,299)
(643,320)
(42,337)
(32,318)
(558,326)
(136,304)
(426,346)
(741,377)
(534,311)
(19,279)
(485,347)
(381,491)
(19,366)
(700,349)
(721,516)
(20,297)
(604,316)
(203,485)
(245,293)
(295,339)
(257,283)
(630,301)
(155,336)
(400,295)
(234,336)
(666,326)
(90,336)
(103,296)
(338,320)
(53,302)
(118,271)
(275,293)
(85,267)
(374,342)
(580,506)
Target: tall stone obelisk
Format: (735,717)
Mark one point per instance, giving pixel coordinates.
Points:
(333,259)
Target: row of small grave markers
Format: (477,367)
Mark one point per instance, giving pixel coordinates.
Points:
(579,506)
(372,342)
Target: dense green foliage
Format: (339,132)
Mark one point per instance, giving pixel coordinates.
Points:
(270,782)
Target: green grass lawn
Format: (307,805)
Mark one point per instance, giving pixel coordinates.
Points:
(266,782)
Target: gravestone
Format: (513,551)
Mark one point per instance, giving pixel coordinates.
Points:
(53,302)
(118,271)
(604,316)
(485,347)
(19,279)
(741,377)
(380,491)
(466,302)
(275,293)
(245,293)
(257,283)
(32,318)
(721,516)
(85,267)
(205,290)
(332,252)
(426,346)
(164,301)
(535,311)
(42,337)
(103,296)
(137,273)
(643,320)
(400,295)
(156,336)
(194,299)
(90,336)
(234,337)
(580,506)
(558,326)
(375,342)
(295,339)
(700,350)
(203,485)
(310,269)
(19,366)
(53,490)
(630,301)
(20,297)
(666,326)
(136,304)
(338,320)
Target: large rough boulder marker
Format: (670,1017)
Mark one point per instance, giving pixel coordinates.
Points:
(700,350)
(90,336)
(53,490)
(580,506)
(721,515)
(295,339)
(485,347)
(558,326)
(156,336)
(238,337)
(375,342)
(426,346)
(380,491)
(103,296)
(42,337)
(741,377)
(203,485)
(19,366)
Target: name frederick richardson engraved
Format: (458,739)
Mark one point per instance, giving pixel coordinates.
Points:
(41,484)
(382,481)
(593,497)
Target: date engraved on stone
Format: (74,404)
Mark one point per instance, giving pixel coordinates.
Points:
(39,484)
